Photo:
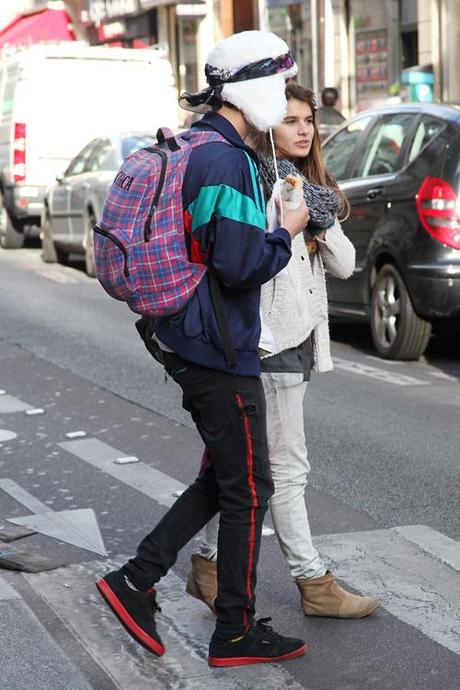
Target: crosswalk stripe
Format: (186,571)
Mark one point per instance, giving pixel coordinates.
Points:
(386,375)
(411,583)
(184,624)
(390,563)
(139,476)
(9,403)
(439,546)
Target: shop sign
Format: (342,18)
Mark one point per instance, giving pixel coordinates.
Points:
(100,10)
(148,4)
(189,10)
(113,30)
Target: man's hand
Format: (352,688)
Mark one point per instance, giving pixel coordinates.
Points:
(294,220)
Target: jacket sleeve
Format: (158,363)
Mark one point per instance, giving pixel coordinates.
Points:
(228,222)
(337,252)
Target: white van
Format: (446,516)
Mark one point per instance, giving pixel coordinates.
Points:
(54,99)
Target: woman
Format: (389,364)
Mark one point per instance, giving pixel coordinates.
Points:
(294,311)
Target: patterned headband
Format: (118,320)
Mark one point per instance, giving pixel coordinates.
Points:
(216,76)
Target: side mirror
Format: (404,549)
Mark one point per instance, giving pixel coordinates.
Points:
(60,177)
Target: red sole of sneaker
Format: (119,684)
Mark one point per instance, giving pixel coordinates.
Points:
(245,660)
(128,622)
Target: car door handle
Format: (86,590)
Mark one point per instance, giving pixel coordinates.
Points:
(373,193)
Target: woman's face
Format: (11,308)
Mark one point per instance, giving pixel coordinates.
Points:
(294,136)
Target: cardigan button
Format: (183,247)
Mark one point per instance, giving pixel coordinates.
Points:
(302,257)
(311,291)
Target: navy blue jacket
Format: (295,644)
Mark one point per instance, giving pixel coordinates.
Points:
(225,225)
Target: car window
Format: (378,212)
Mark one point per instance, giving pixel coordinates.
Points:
(77,165)
(98,156)
(133,143)
(382,151)
(338,150)
(428,128)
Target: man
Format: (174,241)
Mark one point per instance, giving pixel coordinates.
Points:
(329,117)
(224,224)
(328,113)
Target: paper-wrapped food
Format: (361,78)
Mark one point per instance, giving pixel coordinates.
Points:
(291,191)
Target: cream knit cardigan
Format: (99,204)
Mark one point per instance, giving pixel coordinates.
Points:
(294,304)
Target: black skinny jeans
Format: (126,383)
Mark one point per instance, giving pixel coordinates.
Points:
(235,479)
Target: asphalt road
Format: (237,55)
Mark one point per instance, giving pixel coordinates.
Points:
(384,448)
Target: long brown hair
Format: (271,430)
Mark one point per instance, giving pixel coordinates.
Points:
(312,166)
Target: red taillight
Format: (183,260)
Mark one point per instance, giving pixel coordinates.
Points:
(19,154)
(439,210)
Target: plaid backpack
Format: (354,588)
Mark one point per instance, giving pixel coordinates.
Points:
(139,243)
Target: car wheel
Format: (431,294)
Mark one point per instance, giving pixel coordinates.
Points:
(90,259)
(49,253)
(10,237)
(397,331)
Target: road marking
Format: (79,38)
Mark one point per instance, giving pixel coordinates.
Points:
(56,276)
(390,362)
(413,586)
(434,543)
(376,373)
(6,435)
(184,624)
(76,527)
(443,376)
(10,404)
(144,478)
(139,476)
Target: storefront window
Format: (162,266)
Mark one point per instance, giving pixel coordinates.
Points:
(376,49)
(188,68)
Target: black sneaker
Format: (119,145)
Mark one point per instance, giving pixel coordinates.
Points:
(135,610)
(260,645)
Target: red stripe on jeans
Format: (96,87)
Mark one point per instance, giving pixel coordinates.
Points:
(254,500)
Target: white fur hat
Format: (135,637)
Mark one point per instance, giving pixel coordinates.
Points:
(233,68)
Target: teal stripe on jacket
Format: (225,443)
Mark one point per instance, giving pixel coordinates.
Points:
(225,202)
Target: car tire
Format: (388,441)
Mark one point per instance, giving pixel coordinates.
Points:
(90,259)
(397,331)
(10,236)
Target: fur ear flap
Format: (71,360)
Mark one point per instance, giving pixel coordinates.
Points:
(262,101)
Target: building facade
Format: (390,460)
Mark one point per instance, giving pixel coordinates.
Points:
(372,50)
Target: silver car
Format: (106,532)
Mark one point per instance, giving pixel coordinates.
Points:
(74,202)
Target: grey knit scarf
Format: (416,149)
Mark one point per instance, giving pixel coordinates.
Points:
(323,202)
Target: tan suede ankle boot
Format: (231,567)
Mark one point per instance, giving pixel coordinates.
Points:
(322,596)
(202,580)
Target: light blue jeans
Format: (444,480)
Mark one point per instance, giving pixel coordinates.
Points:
(289,464)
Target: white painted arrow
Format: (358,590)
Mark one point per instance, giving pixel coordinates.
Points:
(76,527)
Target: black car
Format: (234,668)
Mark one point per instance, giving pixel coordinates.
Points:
(400,169)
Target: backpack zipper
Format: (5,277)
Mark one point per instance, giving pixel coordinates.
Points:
(153,206)
(119,244)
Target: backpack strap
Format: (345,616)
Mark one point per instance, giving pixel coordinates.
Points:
(165,136)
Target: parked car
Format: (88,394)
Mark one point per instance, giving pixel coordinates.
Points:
(74,202)
(400,169)
(55,98)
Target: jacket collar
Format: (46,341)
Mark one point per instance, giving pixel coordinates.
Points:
(220,124)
